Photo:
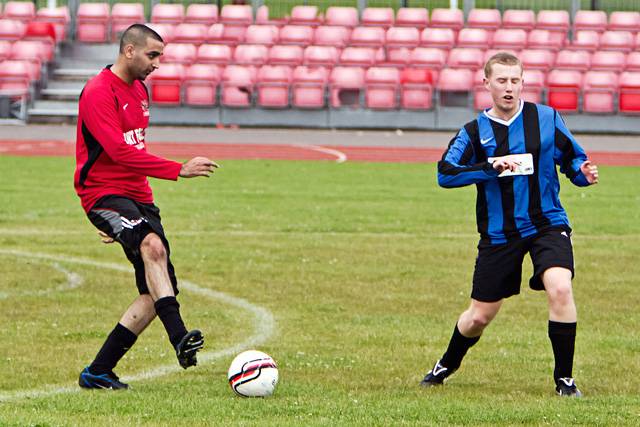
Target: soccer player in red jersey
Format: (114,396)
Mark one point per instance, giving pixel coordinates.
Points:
(112,166)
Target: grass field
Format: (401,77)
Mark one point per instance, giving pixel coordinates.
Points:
(363,267)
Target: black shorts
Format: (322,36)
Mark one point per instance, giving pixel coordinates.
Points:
(498,270)
(129,222)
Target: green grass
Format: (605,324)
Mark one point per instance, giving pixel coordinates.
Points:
(364,267)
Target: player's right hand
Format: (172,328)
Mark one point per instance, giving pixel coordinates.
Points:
(105,237)
(198,166)
(504,163)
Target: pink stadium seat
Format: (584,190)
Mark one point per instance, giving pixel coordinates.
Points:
(226,34)
(553,20)
(455,86)
(460,57)
(624,21)
(595,20)
(123,15)
(633,62)
(484,18)
(308,87)
(579,60)
(304,15)
(11,29)
(296,34)
(28,49)
(214,54)
(166,83)
(378,16)
(200,84)
(251,54)
(533,85)
(237,86)
(358,56)
(474,38)
(417,17)
(443,38)
(164,13)
(286,55)
(523,19)
(180,53)
(617,40)
(345,85)
(197,13)
(23,11)
(15,76)
(585,40)
(59,17)
(236,14)
(563,90)
(381,85)
(598,91)
(510,39)
(261,34)
(273,83)
(341,16)
(428,57)
(321,56)
(402,37)
(481,96)
(93,22)
(164,30)
(537,59)
(544,39)
(608,61)
(331,36)
(262,17)
(367,36)
(5,49)
(447,18)
(416,90)
(190,33)
(629,92)
(397,57)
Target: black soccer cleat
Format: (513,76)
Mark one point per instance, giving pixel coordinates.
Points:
(108,381)
(436,376)
(567,387)
(188,347)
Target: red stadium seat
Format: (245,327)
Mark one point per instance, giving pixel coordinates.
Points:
(321,56)
(428,57)
(585,40)
(226,34)
(273,83)
(454,86)
(123,15)
(481,96)
(537,59)
(236,14)
(417,17)
(261,34)
(23,11)
(443,38)
(180,53)
(164,13)
(93,22)
(579,60)
(42,31)
(238,83)
(533,85)
(345,85)
(382,85)
(447,18)
(214,54)
(416,90)
(544,39)
(633,61)
(624,21)
(358,56)
(286,55)
(617,40)
(304,15)
(629,92)
(15,76)
(484,18)
(341,16)
(166,83)
(553,20)
(296,34)
(164,30)
(190,33)
(59,17)
(563,90)
(367,37)
(474,38)
(595,20)
(598,91)
(206,14)
(515,18)
(201,83)
(461,57)
(402,37)
(308,87)
(331,36)
(608,61)
(251,54)
(378,16)
(509,39)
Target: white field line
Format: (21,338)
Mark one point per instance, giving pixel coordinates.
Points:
(74,281)
(340,156)
(264,327)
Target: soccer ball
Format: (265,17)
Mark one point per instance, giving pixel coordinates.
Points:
(253,374)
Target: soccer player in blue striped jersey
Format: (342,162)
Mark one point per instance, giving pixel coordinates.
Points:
(510,152)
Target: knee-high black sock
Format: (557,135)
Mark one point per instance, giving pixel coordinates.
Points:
(563,338)
(168,310)
(115,346)
(458,346)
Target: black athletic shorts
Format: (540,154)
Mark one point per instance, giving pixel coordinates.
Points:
(498,270)
(129,222)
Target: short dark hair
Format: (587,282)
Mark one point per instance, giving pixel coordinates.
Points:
(504,58)
(137,35)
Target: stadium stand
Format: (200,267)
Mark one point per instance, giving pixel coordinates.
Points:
(564,90)
(523,19)
(381,86)
(164,13)
(273,82)
(200,84)
(378,16)
(304,15)
(308,87)
(416,90)
(197,13)
(296,34)
(412,17)
(341,16)
(484,18)
(123,15)
(629,94)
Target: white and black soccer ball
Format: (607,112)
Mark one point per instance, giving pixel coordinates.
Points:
(253,374)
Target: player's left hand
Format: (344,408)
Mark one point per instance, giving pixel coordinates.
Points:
(105,237)
(590,171)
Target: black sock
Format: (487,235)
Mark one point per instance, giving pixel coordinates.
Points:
(168,311)
(458,346)
(563,338)
(115,346)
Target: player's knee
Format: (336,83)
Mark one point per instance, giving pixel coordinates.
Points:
(152,248)
(562,293)
(480,320)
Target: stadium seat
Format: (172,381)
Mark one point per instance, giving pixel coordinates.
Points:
(24,11)
(15,76)
(416,89)
(286,55)
(166,84)
(180,53)
(632,62)
(358,56)
(381,85)
(59,17)
(624,21)
(304,15)
(443,38)
(190,33)
(377,16)
(321,56)
(484,18)
(251,54)
(32,52)
(428,57)
(93,22)
(478,38)
(164,13)
(5,49)
(272,85)
(629,92)
(544,39)
(533,85)
(226,34)
(11,29)
(164,30)
(481,96)
(214,54)
(262,17)
(201,83)
(447,18)
(261,34)
(585,40)
(563,89)
(553,20)
(308,87)
(608,61)
(417,17)
(236,14)
(123,15)
(515,18)
(402,37)
(397,57)
(454,86)
(537,59)
(509,39)
(331,36)
(237,86)
(367,37)
(598,92)
(579,60)
(345,85)
(42,31)
(197,13)
(594,20)
(617,40)
(341,16)
(461,57)
(296,34)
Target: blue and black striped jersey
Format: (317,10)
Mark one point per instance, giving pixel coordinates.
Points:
(514,207)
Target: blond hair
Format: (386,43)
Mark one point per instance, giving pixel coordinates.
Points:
(503,58)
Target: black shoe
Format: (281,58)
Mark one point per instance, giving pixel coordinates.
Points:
(188,347)
(567,387)
(436,376)
(108,381)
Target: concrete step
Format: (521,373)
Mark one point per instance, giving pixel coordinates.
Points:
(62,90)
(75,74)
(49,111)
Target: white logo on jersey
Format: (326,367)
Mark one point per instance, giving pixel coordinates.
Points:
(484,141)
(135,137)
(124,107)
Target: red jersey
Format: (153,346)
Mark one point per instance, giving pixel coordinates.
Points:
(111,156)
